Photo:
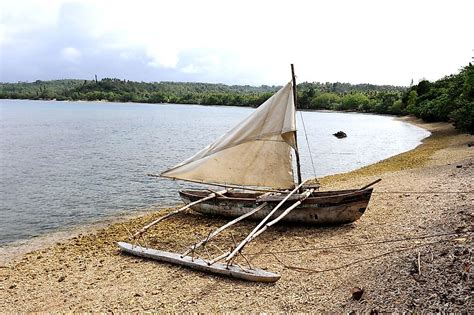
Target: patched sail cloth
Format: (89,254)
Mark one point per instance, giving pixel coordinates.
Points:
(256,152)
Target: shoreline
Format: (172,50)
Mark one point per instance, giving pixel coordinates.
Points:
(13,251)
(409,159)
(10,252)
(206,105)
(87,273)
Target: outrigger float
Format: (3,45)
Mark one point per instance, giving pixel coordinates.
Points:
(254,162)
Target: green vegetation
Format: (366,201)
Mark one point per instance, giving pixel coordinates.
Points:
(115,90)
(448,99)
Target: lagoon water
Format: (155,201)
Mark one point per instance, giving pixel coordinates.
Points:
(69,163)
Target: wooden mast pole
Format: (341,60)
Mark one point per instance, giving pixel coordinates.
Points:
(297,154)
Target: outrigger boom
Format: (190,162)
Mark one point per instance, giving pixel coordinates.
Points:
(256,158)
(212,265)
(200,264)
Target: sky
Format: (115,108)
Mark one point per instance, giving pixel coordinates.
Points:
(235,42)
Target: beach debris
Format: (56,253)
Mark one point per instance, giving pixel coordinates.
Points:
(419,263)
(466,267)
(357,293)
(458,166)
(470,144)
(340,134)
(62,278)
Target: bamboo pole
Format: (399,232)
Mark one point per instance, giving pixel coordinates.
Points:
(146,227)
(246,240)
(306,194)
(222,228)
(371,184)
(295,101)
(218,185)
(217,193)
(212,262)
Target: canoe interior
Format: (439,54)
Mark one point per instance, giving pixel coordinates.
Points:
(254,196)
(321,208)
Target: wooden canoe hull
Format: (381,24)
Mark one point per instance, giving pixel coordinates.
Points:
(321,208)
(233,271)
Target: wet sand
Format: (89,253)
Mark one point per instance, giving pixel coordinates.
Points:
(420,194)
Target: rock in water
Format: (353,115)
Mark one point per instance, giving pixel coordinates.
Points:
(340,134)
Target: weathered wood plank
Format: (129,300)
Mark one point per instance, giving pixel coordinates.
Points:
(335,207)
(257,275)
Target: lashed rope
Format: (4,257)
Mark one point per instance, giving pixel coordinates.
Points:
(311,270)
(361,244)
(424,192)
(307,143)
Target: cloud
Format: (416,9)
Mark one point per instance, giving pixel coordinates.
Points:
(191,69)
(244,42)
(162,56)
(71,54)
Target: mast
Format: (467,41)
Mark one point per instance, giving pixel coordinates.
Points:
(297,154)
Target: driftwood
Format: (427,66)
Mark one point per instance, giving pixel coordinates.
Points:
(146,227)
(419,263)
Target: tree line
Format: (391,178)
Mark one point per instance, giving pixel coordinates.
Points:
(448,99)
(116,90)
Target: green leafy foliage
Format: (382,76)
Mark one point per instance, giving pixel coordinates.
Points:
(448,99)
(326,100)
(115,90)
(354,101)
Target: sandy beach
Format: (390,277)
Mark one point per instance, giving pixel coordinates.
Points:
(410,251)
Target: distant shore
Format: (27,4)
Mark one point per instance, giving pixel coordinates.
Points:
(86,273)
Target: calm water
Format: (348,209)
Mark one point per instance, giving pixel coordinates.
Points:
(69,163)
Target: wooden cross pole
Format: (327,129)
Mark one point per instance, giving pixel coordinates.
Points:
(305,195)
(222,228)
(146,227)
(247,239)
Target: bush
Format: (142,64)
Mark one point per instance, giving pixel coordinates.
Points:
(354,101)
(463,118)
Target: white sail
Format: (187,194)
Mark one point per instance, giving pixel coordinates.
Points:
(256,152)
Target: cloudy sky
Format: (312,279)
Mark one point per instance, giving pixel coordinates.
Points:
(235,42)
